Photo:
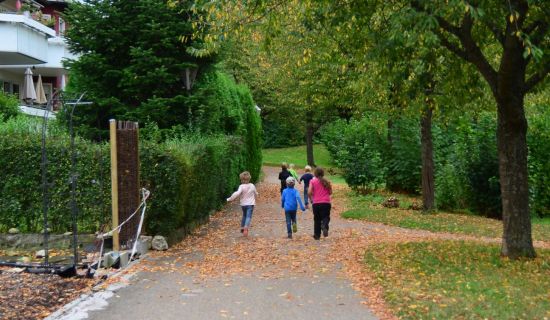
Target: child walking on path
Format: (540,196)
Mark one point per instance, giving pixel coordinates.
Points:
(306,177)
(319,193)
(292,171)
(247,192)
(283,175)
(289,201)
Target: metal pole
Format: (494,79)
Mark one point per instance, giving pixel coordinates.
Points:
(45,195)
(74,208)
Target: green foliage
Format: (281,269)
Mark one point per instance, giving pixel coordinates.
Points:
(357,148)
(281,133)
(539,166)
(21,187)
(188,176)
(403,160)
(133,61)
(218,105)
(297,155)
(458,279)
(467,165)
(9,106)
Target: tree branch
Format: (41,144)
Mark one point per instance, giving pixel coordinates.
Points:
(536,78)
(470,51)
(452,47)
(499,35)
(538,34)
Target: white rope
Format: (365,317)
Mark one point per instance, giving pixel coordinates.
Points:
(143,205)
(145,194)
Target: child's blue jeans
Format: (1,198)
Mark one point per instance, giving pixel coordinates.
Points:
(305,195)
(290,218)
(247,216)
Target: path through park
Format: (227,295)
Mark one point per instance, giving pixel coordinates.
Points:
(218,274)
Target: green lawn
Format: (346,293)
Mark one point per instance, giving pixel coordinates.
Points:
(460,280)
(369,207)
(297,155)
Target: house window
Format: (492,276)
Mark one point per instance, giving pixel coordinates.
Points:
(15,89)
(6,87)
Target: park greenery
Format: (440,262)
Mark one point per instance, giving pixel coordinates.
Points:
(417,65)
(199,128)
(442,104)
(458,279)
(173,170)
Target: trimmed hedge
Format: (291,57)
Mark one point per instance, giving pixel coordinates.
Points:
(188,178)
(21,179)
(465,157)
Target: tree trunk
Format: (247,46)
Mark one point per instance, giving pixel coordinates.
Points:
(428,190)
(309,138)
(512,153)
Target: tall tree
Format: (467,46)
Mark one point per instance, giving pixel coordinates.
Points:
(508,44)
(133,59)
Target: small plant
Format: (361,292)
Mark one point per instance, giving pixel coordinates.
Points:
(391,202)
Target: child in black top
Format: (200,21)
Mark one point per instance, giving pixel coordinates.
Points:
(283,175)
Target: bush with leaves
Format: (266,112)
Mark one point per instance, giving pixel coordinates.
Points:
(402,155)
(357,148)
(538,138)
(189,176)
(467,165)
(9,106)
(21,178)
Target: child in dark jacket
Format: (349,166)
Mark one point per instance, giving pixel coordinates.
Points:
(306,177)
(283,175)
(289,201)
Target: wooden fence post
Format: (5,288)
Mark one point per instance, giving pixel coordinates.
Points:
(114,182)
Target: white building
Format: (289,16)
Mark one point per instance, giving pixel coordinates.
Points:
(31,35)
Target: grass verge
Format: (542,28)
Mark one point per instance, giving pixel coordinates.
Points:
(460,280)
(297,155)
(369,207)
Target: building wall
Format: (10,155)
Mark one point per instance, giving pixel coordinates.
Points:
(8,80)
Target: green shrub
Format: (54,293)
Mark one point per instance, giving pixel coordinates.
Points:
(538,138)
(357,148)
(9,106)
(402,156)
(281,134)
(21,179)
(467,165)
(188,177)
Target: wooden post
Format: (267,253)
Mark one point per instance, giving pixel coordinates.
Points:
(114,182)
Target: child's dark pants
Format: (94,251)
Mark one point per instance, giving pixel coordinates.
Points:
(321,218)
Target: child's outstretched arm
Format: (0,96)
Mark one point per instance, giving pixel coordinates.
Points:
(283,199)
(255,191)
(235,194)
(300,201)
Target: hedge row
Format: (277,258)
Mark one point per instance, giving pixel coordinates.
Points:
(375,152)
(188,177)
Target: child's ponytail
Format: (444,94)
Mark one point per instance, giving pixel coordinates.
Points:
(320,174)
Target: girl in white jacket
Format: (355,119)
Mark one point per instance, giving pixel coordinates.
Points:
(247,192)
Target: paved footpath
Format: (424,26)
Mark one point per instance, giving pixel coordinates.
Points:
(218,274)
